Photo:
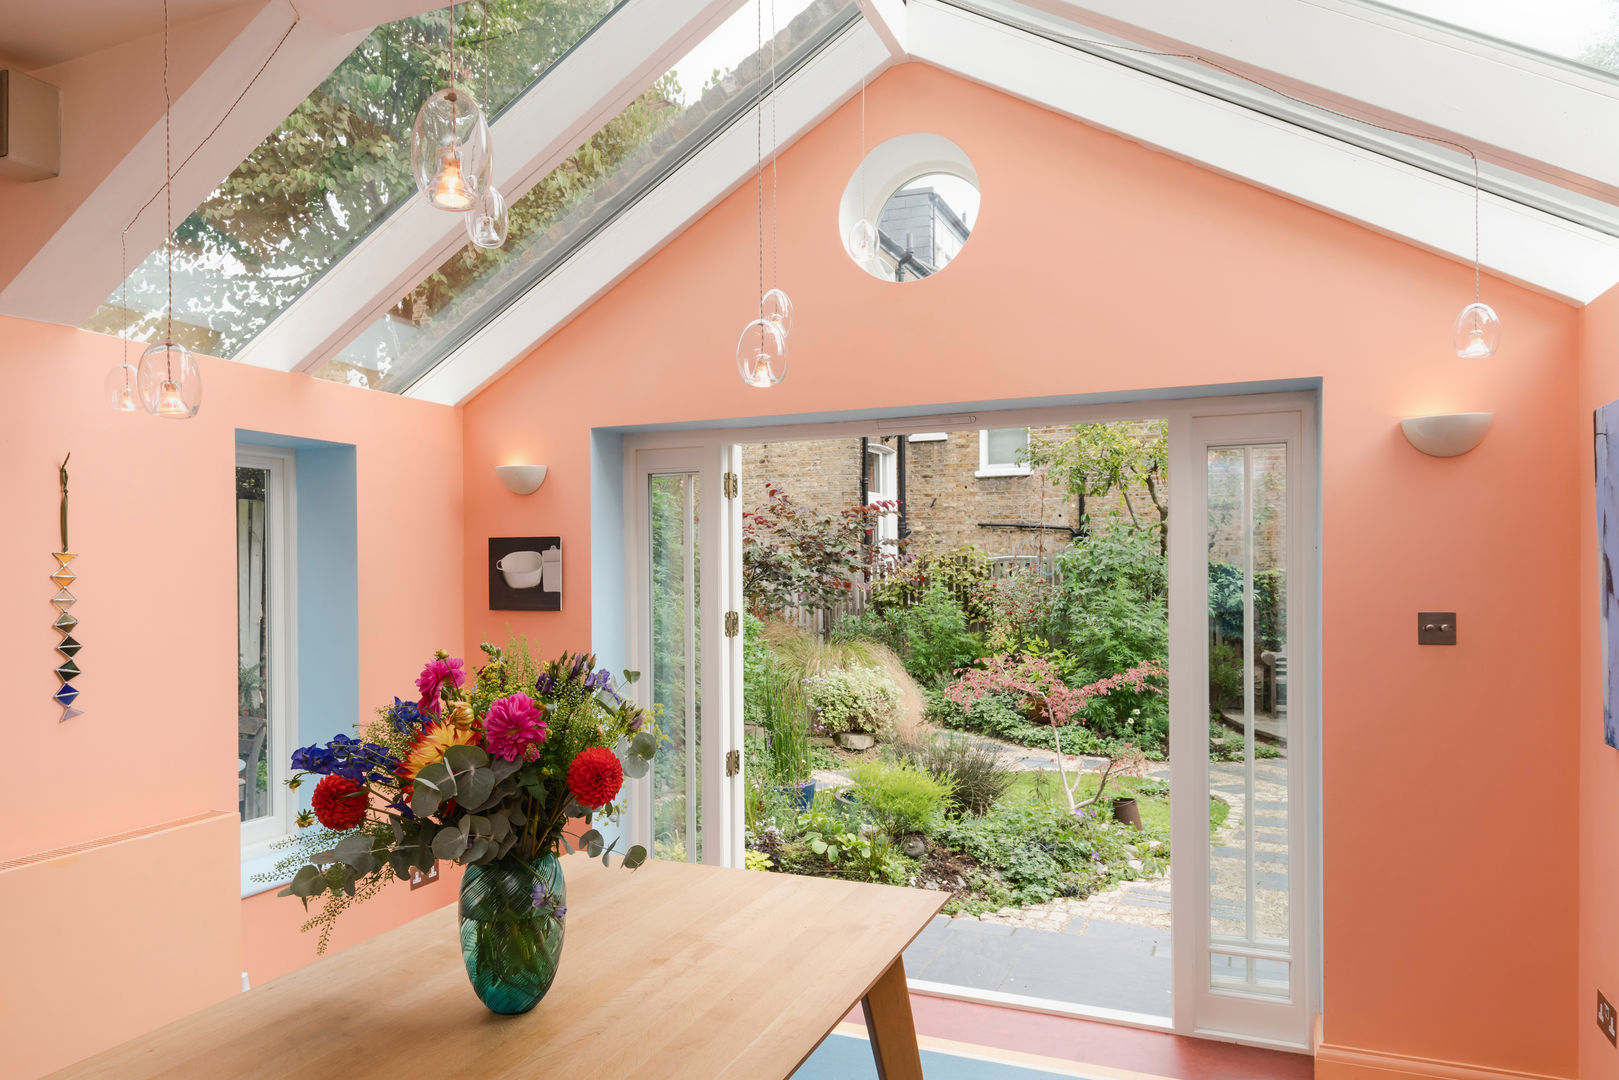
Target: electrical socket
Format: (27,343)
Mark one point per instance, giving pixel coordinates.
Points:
(418,879)
(1606,1020)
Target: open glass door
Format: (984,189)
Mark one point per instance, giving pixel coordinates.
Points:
(685,558)
(1245,883)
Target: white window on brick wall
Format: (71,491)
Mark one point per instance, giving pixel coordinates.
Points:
(1000,451)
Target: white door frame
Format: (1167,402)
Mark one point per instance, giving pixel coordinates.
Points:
(719,539)
(1195,1012)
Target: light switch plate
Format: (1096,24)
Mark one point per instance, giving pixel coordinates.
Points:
(1606,1019)
(418,879)
(1436,628)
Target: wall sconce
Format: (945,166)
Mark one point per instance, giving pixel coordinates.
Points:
(521,479)
(1447,434)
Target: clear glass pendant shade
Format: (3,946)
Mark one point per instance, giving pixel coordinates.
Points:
(486,225)
(1477,332)
(761,354)
(449,151)
(122,394)
(777,308)
(863,242)
(168,382)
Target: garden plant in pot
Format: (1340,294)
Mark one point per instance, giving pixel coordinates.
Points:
(485,775)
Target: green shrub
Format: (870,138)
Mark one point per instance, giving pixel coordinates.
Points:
(930,637)
(1225,675)
(857,698)
(960,571)
(900,799)
(784,712)
(976,776)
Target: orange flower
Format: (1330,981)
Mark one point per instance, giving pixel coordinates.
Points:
(430,746)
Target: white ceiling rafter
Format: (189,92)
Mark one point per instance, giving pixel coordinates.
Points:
(1527,246)
(602,74)
(823,83)
(68,277)
(887,19)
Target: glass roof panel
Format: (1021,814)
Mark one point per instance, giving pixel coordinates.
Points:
(699,97)
(1585,31)
(333,169)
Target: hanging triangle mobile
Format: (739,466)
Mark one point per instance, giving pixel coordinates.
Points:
(68,670)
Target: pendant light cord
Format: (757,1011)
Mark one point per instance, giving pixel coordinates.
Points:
(759,156)
(1217,66)
(775,154)
(168,191)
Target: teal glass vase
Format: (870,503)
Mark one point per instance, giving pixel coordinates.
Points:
(511,929)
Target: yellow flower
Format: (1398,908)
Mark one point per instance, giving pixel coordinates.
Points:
(430,746)
(460,715)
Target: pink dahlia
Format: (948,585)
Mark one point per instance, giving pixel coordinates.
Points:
(438,673)
(515,727)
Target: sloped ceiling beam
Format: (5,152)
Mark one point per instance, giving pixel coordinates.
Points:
(77,267)
(1524,245)
(1524,111)
(582,91)
(813,92)
(887,19)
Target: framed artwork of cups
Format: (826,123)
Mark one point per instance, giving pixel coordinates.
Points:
(525,573)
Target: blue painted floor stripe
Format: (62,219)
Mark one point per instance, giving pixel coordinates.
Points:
(842,1057)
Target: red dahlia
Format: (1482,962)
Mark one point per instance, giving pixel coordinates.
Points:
(595,777)
(339,802)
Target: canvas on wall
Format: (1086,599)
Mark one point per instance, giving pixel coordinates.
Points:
(525,573)
(1607,459)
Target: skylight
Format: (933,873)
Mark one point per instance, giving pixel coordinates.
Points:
(333,170)
(706,91)
(1585,31)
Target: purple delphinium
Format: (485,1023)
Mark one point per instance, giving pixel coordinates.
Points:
(547,902)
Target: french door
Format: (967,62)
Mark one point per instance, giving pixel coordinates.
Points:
(1241,695)
(685,561)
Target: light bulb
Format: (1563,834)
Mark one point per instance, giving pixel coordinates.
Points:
(168,382)
(1477,332)
(449,190)
(449,150)
(777,307)
(120,387)
(486,225)
(863,243)
(761,354)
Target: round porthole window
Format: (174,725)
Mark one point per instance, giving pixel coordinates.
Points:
(908,210)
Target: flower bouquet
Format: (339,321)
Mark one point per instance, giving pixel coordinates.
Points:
(485,775)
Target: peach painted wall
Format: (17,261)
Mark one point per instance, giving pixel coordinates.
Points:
(152,517)
(1599,763)
(1098,265)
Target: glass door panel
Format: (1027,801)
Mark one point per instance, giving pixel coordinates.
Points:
(673,501)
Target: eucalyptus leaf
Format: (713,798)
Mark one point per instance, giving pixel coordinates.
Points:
(569,848)
(449,844)
(634,857)
(644,745)
(502,768)
(592,842)
(433,786)
(360,852)
(631,678)
(635,767)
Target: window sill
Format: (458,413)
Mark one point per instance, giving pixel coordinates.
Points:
(260,858)
(1003,470)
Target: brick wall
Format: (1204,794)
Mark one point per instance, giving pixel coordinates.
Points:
(947,504)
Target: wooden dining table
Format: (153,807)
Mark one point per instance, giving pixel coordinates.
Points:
(669,971)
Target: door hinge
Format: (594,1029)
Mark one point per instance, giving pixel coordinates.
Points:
(733,623)
(732,485)
(733,762)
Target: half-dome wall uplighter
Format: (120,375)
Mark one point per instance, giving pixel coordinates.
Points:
(1447,434)
(521,479)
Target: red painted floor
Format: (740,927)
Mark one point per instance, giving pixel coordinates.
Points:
(1091,1043)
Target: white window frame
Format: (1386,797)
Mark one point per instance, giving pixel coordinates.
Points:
(985,468)
(281,683)
(887,525)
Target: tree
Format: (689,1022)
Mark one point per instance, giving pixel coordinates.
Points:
(1114,456)
(793,558)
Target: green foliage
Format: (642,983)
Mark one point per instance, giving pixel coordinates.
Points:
(1227,745)
(901,799)
(1114,456)
(960,571)
(784,712)
(976,777)
(1225,675)
(858,698)
(1032,853)
(757,860)
(1270,605)
(930,637)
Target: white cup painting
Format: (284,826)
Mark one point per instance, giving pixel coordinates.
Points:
(525,573)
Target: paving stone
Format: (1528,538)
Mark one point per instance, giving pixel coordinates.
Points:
(970,956)
(1071,968)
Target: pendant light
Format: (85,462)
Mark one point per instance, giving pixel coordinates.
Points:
(486,225)
(761,351)
(862,240)
(1477,330)
(449,146)
(167,378)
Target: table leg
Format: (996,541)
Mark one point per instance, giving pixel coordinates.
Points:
(887,1007)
